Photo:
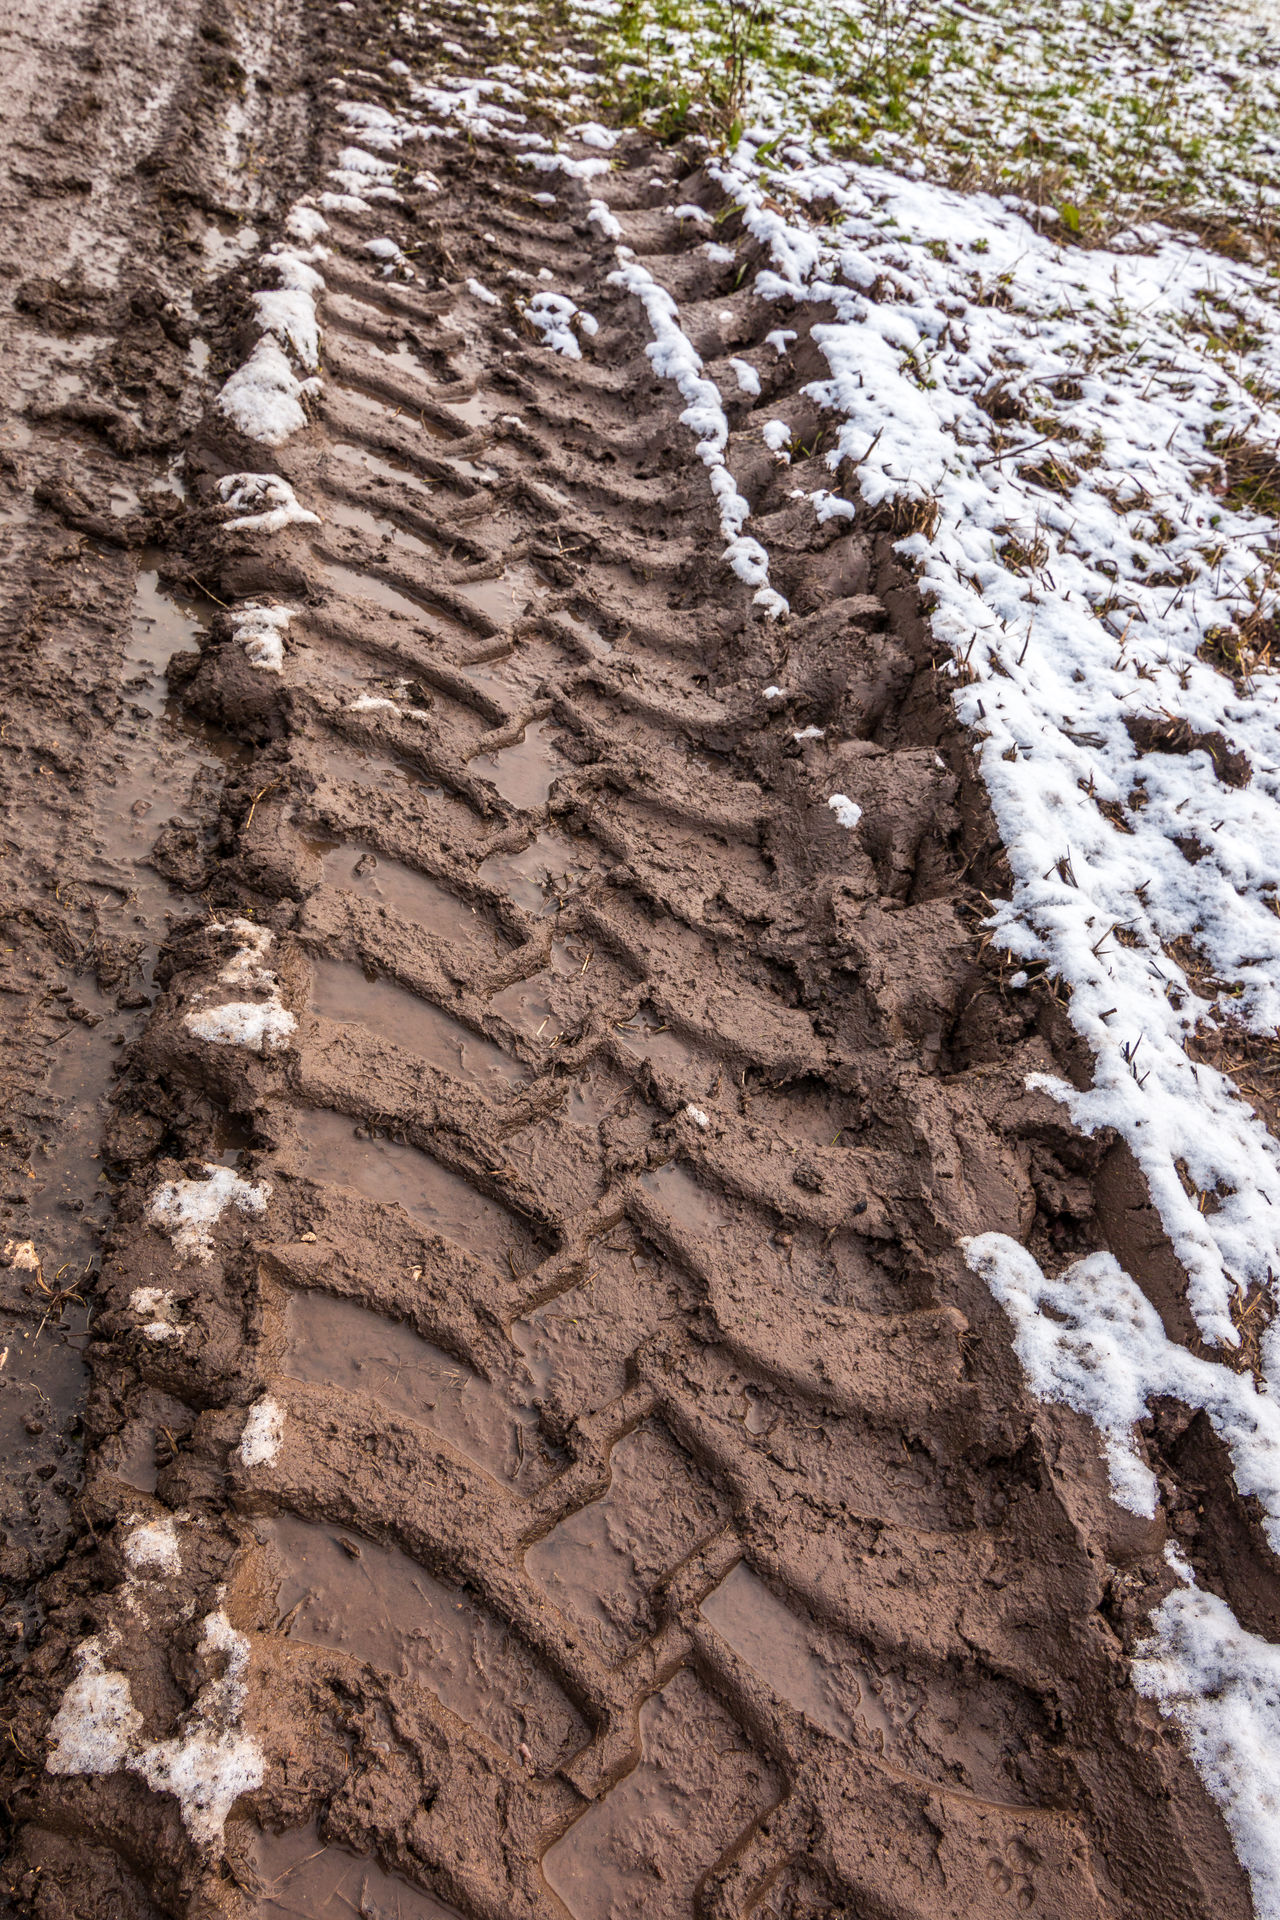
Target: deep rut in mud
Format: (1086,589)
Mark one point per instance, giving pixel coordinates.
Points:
(546,1450)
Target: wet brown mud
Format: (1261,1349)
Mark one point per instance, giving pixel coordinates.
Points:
(415,895)
(301,1877)
(523,773)
(774,1644)
(159,770)
(611,1490)
(339,1344)
(338,1590)
(334,1150)
(697,1778)
(344,993)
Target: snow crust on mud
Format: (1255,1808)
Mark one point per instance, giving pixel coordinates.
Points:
(264,397)
(264,502)
(206,1765)
(263,1429)
(209,1760)
(260,631)
(262,1024)
(1222,1687)
(1092,1339)
(189,1209)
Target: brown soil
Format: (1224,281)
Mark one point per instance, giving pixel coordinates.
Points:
(659,1523)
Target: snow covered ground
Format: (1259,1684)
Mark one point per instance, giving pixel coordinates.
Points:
(1091,108)
(1048,417)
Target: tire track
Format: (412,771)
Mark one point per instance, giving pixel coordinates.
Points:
(624,1493)
(99,377)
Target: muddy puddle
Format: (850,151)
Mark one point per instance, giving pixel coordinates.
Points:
(415,895)
(401,359)
(331,1151)
(587,630)
(697,1788)
(166,621)
(519,666)
(686,1200)
(344,992)
(527,1005)
(353,585)
(158,761)
(381,531)
(660,1044)
(225,245)
(544,1003)
(368,400)
(302,1877)
(381,465)
(541,874)
(56,379)
(775,1643)
(472,413)
(344,763)
(523,773)
(508,594)
(337,1589)
(148,1440)
(597,1093)
(333,1342)
(44,1383)
(358,673)
(603,1564)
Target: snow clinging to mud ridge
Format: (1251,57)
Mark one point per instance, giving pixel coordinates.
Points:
(1221,1684)
(674,357)
(263,1429)
(1052,432)
(263,398)
(554,315)
(207,1764)
(1091,1339)
(208,1760)
(152,1549)
(264,503)
(155,1308)
(263,1024)
(189,1209)
(260,631)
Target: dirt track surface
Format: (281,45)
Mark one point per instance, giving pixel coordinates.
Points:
(615,1491)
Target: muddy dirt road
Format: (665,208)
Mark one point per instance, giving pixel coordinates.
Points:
(497,1418)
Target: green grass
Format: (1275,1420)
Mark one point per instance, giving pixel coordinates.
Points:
(1106,113)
